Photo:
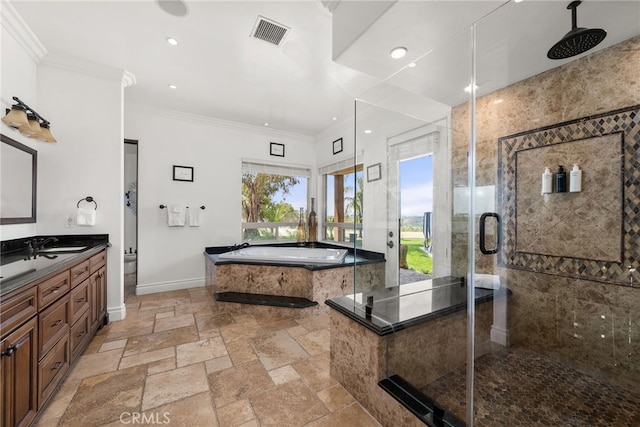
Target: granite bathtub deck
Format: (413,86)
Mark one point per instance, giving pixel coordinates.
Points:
(180,361)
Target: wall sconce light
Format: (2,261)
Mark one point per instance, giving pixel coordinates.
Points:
(28,122)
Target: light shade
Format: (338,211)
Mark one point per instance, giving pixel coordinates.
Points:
(45,133)
(33,130)
(16,117)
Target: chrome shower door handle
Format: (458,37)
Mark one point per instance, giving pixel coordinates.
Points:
(483,220)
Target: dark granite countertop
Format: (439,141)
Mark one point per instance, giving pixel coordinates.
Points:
(403,306)
(19,267)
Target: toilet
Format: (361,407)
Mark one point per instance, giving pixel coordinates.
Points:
(130,263)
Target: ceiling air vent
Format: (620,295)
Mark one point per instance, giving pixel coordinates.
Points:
(269,31)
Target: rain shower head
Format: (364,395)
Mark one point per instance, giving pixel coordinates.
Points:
(578,40)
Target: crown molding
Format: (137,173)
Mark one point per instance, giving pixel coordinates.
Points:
(20,31)
(128,79)
(215,122)
(74,64)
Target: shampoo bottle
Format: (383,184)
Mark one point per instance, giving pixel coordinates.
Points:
(561,180)
(547,181)
(575,180)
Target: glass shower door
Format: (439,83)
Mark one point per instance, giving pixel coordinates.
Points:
(423,305)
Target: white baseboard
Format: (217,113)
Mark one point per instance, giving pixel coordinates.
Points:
(153,288)
(117,313)
(500,336)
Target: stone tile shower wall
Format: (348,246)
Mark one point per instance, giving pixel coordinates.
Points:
(593,321)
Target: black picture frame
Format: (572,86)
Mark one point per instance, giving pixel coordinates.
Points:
(182,173)
(276,149)
(337,146)
(374,172)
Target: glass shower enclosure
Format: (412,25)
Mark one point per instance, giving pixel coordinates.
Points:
(505,303)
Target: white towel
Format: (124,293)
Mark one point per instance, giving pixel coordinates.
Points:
(194,217)
(487,281)
(175,215)
(85,216)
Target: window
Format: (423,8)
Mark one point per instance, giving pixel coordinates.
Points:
(343,204)
(272,196)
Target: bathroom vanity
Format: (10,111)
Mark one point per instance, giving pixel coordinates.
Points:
(52,301)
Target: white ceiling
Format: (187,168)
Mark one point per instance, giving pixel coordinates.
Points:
(222,72)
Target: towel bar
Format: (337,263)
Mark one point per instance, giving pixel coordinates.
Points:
(201,207)
(88,199)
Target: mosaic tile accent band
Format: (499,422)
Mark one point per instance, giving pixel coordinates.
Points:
(625,120)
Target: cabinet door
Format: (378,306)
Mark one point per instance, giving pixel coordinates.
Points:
(102,297)
(98,298)
(18,391)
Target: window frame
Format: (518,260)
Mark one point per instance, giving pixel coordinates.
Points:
(281,169)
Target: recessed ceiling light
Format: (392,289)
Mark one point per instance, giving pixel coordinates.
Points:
(517,1)
(411,65)
(266,124)
(334,118)
(173,87)
(468,88)
(368,131)
(398,52)
(172,41)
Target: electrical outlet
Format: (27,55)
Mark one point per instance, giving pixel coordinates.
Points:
(68,223)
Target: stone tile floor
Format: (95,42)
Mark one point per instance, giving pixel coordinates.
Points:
(521,387)
(178,360)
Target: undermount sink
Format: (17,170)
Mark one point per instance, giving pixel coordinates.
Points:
(64,249)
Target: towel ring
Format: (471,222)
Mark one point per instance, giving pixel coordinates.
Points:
(88,199)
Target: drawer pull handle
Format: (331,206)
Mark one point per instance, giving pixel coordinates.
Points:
(79,273)
(56,323)
(57,366)
(9,351)
(80,300)
(55,290)
(81,334)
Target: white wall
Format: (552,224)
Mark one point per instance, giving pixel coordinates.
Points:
(172,257)
(18,73)
(85,111)
(130,176)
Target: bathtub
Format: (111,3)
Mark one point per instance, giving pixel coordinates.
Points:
(288,255)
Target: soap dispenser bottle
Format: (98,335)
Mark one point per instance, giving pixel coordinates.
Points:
(561,180)
(547,181)
(575,180)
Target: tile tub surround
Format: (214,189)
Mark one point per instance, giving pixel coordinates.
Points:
(314,282)
(419,349)
(177,354)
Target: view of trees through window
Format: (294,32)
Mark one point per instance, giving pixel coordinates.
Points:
(271,205)
(343,214)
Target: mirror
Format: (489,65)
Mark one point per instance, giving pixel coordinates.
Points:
(17,182)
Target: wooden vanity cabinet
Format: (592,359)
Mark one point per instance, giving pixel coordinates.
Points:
(19,361)
(45,327)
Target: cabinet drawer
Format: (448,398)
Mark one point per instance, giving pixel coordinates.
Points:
(53,323)
(17,309)
(52,368)
(79,301)
(52,289)
(79,335)
(79,273)
(97,261)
